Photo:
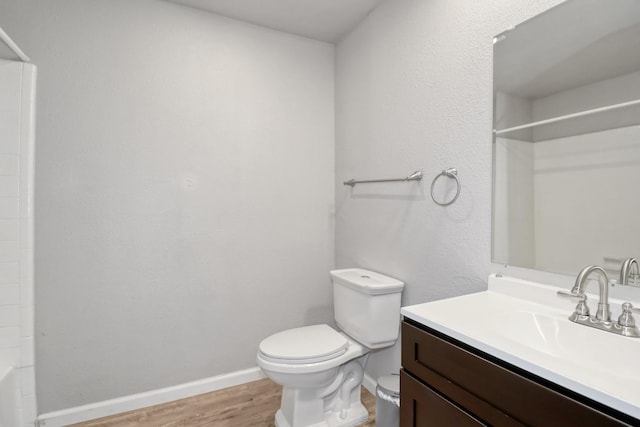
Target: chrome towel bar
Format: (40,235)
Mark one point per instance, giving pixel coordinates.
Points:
(416,176)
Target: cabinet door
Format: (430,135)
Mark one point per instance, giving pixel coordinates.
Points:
(423,407)
(490,391)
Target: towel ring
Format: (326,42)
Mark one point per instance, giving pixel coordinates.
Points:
(451,173)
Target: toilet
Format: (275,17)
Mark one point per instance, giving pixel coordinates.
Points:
(321,368)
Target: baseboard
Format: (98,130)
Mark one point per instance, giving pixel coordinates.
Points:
(370,383)
(142,400)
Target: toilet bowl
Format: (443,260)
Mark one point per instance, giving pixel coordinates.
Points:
(321,369)
(314,380)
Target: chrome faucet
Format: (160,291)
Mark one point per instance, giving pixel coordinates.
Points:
(603,314)
(602,320)
(625,271)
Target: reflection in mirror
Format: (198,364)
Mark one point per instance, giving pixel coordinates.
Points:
(566,152)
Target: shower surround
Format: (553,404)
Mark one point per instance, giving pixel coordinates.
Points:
(17,111)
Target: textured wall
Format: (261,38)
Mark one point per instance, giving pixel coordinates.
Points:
(414,91)
(171,233)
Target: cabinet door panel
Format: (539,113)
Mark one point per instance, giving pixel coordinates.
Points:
(480,385)
(422,407)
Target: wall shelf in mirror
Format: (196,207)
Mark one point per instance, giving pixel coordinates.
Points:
(568,116)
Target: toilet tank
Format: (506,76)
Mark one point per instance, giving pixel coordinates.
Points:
(367,306)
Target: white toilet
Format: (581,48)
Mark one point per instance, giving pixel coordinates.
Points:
(321,369)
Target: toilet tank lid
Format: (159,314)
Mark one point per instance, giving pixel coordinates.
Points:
(366,281)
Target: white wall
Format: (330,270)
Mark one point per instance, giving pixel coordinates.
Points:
(581,183)
(514,238)
(555,201)
(185,184)
(611,91)
(583,172)
(414,90)
(513,110)
(586,170)
(17,92)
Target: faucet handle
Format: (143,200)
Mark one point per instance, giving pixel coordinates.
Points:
(582,308)
(628,307)
(626,318)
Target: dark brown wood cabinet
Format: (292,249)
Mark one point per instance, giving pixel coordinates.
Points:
(447,383)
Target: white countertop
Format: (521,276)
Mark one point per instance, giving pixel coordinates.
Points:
(526,325)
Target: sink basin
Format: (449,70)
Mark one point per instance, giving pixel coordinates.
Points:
(556,336)
(526,324)
(539,332)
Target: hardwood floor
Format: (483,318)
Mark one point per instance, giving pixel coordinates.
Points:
(248,405)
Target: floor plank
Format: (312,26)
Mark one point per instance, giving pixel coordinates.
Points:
(248,405)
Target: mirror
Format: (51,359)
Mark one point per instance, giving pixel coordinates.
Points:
(566,139)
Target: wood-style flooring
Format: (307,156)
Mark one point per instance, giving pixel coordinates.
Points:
(248,405)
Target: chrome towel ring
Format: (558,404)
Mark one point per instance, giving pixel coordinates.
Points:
(453,174)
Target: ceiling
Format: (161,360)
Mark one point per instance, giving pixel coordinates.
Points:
(574,44)
(325,20)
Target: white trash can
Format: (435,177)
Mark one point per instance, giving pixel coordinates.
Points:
(388,401)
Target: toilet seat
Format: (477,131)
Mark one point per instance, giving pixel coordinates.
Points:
(309,344)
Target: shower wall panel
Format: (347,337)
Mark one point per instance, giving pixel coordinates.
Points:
(17,107)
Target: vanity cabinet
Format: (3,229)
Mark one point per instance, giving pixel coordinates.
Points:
(447,383)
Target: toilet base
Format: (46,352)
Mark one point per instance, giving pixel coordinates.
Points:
(337,404)
(321,394)
(357,414)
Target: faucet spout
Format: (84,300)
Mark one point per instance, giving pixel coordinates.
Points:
(625,271)
(603,313)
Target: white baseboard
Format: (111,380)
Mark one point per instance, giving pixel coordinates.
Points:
(146,399)
(370,383)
